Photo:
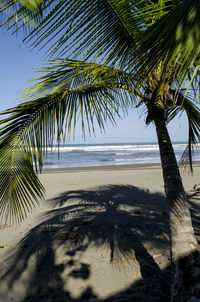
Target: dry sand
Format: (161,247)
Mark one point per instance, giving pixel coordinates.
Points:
(101,234)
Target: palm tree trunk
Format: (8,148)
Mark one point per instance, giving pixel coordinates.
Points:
(183,241)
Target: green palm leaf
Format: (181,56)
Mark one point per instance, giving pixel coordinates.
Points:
(175,40)
(187,105)
(61,73)
(51,110)
(106,30)
(90,27)
(20,13)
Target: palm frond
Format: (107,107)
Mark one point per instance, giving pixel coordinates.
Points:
(193,115)
(95,28)
(174,40)
(26,13)
(61,73)
(19,185)
(52,109)
(104,30)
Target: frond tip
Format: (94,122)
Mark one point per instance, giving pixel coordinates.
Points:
(193,116)
(19,185)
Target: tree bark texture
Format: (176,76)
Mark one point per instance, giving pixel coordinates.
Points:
(184,247)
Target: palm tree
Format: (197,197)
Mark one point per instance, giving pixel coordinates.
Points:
(118,54)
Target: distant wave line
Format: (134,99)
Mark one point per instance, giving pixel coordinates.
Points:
(128,148)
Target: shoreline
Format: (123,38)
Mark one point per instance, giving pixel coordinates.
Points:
(113,168)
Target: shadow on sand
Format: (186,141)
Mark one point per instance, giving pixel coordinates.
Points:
(121,227)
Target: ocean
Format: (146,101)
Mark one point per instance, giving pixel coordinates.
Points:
(90,155)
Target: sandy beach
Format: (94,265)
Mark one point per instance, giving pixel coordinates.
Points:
(101,234)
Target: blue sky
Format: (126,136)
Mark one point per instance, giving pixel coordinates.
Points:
(17,62)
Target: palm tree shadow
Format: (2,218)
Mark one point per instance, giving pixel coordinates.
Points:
(131,226)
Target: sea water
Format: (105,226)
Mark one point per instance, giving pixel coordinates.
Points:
(88,155)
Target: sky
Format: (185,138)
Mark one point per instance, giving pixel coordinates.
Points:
(16,67)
